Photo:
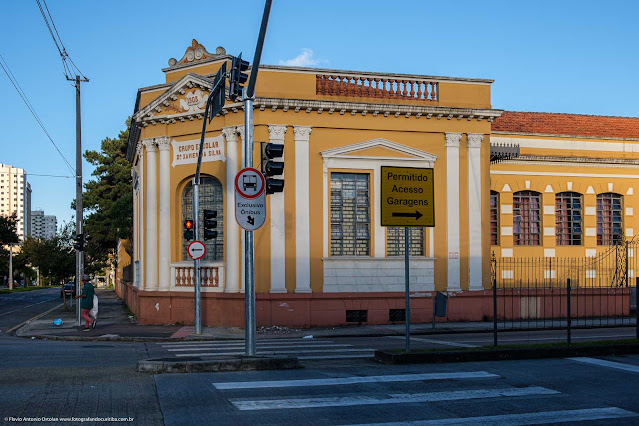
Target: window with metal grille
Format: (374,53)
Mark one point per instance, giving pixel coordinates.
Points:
(494,218)
(357,315)
(396,315)
(609,219)
(568,219)
(395,241)
(211,198)
(526,218)
(350,218)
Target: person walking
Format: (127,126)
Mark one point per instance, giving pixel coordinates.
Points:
(87,303)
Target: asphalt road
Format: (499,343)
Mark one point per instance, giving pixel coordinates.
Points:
(21,306)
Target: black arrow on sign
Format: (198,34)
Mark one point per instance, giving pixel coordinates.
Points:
(251,220)
(416,215)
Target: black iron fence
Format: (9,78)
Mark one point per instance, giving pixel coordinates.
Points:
(566,292)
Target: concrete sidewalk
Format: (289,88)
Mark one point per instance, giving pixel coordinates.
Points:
(115,323)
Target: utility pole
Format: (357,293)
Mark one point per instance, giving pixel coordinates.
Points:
(250,343)
(79,218)
(10,266)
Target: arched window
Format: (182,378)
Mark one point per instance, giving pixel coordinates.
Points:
(211,198)
(494,218)
(526,218)
(609,219)
(568,219)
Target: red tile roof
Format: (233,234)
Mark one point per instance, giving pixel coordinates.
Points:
(567,124)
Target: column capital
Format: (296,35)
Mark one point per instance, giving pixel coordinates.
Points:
(302,133)
(276,132)
(452,139)
(230,133)
(240,131)
(163,142)
(138,149)
(474,140)
(150,145)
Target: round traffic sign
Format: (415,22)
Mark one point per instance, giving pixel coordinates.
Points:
(196,250)
(250,183)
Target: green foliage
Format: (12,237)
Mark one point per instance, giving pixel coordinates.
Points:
(109,200)
(54,257)
(8,235)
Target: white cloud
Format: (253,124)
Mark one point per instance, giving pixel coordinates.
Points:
(304,59)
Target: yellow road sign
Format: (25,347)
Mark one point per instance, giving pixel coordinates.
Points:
(407,197)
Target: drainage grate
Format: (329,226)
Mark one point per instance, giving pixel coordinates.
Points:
(397,315)
(356,316)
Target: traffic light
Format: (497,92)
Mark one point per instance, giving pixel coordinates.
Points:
(217,97)
(78,242)
(238,77)
(272,168)
(210,224)
(188,229)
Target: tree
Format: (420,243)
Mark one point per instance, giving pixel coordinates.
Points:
(8,235)
(55,257)
(108,199)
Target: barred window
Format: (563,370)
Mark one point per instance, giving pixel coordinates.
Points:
(494,218)
(568,219)
(526,218)
(609,219)
(211,198)
(350,218)
(395,241)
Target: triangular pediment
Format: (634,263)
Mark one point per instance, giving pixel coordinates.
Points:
(379,149)
(185,97)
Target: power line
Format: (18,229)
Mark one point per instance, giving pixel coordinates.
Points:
(67,62)
(56,176)
(16,85)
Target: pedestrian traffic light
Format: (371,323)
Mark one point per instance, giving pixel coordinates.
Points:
(210,224)
(78,242)
(238,77)
(188,229)
(272,168)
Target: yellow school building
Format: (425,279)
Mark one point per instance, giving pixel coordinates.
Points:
(323,258)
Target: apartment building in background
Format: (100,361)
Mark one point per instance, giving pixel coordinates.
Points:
(43,226)
(15,197)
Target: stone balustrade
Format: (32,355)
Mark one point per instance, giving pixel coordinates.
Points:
(183,275)
(377,88)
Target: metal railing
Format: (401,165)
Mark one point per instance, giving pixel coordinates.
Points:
(566,293)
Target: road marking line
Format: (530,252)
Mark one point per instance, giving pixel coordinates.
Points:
(241,345)
(609,364)
(22,308)
(259,347)
(489,339)
(296,339)
(370,355)
(355,379)
(439,342)
(275,404)
(12,329)
(524,418)
(280,352)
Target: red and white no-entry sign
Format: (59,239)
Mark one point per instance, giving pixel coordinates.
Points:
(196,250)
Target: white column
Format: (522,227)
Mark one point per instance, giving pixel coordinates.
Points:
(136,212)
(278,239)
(231,228)
(452,210)
(164,275)
(141,211)
(240,131)
(474,212)
(151,221)
(302,210)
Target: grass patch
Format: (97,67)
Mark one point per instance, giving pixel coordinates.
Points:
(30,288)
(522,346)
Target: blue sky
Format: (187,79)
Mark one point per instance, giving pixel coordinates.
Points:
(555,56)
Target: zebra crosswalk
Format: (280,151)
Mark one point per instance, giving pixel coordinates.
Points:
(458,387)
(303,349)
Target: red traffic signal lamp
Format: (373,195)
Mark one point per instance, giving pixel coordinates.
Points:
(188,229)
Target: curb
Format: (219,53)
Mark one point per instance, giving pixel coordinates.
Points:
(171,365)
(386,357)
(15,328)
(104,339)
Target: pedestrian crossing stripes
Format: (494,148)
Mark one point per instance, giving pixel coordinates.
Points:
(303,349)
(609,364)
(354,380)
(561,416)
